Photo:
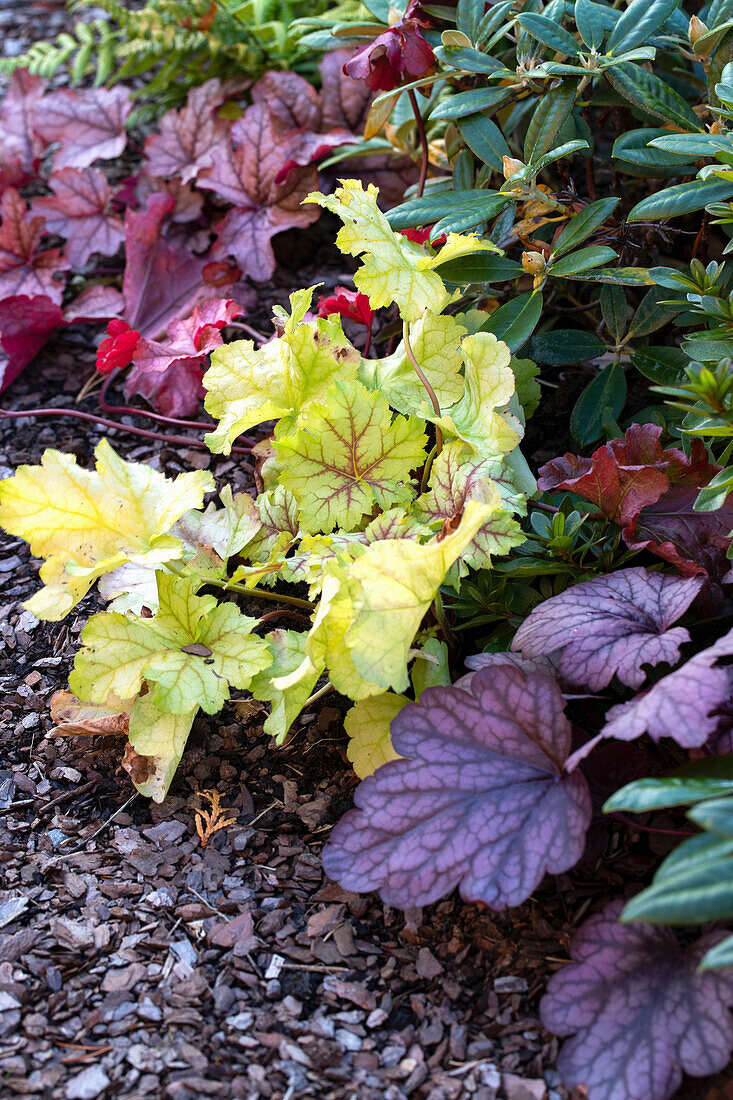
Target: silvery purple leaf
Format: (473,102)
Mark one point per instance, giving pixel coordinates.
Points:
(477,661)
(638,1010)
(482,800)
(614,624)
(684,705)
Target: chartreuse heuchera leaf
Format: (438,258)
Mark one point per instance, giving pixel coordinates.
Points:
(480,801)
(394,269)
(638,1009)
(159,737)
(287,649)
(188,653)
(88,523)
(246,385)
(349,456)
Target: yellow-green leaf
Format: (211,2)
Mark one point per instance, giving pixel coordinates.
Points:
(246,385)
(87,523)
(287,648)
(394,269)
(191,651)
(367,724)
(159,738)
(349,456)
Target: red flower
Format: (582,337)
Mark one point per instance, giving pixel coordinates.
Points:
(422,236)
(349,304)
(400,49)
(119,347)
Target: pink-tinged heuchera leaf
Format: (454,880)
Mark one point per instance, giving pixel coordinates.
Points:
(79,210)
(19,142)
(162,281)
(24,270)
(89,126)
(345,102)
(293,103)
(245,176)
(400,49)
(118,347)
(612,624)
(683,706)
(26,323)
(481,800)
(350,304)
(639,1010)
(188,203)
(95,303)
(180,358)
(188,139)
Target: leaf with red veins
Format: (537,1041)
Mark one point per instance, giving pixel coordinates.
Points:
(292,102)
(188,203)
(24,270)
(481,798)
(26,323)
(610,625)
(79,210)
(639,1010)
(188,140)
(162,280)
(89,126)
(696,542)
(346,102)
(685,705)
(168,375)
(19,142)
(245,177)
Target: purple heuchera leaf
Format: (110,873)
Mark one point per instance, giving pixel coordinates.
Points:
(639,1011)
(684,705)
(482,799)
(89,126)
(613,624)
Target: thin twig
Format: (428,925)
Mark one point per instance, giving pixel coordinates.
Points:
(128,410)
(425,151)
(328,686)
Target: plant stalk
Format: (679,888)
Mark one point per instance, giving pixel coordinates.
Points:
(428,388)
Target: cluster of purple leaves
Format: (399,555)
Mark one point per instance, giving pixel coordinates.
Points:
(493,790)
(196,221)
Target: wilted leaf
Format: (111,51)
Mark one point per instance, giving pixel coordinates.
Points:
(23,269)
(349,456)
(86,524)
(683,706)
(76,719)
(191,650)
(639,1010)
(393,268)
(89,125)
(79,210)
(244,175)
(610,625)
(480,801)
(188,140)
(246,385)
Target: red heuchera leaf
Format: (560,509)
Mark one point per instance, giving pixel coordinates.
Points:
(162,280)
(118,348)
(188,203)
(245,177)
(26,323)
(482,799)
(400,49)
(696,542)
(188,139)
(180,359)
(640,1011)
(347,303)
(79,210)
(20,144)
(345,102)
(292,102)
(683,706)
(24,270)
(613,624)
(89,126)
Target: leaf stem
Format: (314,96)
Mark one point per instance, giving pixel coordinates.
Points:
(425,152)
(427,468)
(263,594)
(328,686)
(428,388)
(439,611)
